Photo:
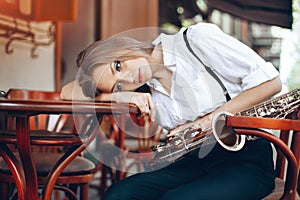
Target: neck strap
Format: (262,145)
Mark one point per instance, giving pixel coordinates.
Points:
(208,69)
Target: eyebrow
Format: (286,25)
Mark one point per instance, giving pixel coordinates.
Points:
(111,67)
(112,89)
(113,72)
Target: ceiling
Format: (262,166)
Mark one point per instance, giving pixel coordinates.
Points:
(272,12)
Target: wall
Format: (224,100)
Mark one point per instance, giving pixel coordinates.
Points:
(76,36)
(119,15)
(115,16)
(20,70)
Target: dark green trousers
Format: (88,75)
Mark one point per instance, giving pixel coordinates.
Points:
(221,175)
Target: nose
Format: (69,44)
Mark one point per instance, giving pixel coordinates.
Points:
(127,77)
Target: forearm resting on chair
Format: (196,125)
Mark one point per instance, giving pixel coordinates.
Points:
(73,91)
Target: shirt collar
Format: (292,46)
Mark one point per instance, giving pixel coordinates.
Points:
(154,84)
(167,42)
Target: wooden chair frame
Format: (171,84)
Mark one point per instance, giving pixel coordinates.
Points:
(51,137)
(252,126)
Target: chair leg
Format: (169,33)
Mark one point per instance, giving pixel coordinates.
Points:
(56,195)
(103,185)
(84,190)
(298,185)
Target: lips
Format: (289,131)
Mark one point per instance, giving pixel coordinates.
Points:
(140,76)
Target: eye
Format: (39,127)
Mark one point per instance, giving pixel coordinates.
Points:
(118,66)
(118,87)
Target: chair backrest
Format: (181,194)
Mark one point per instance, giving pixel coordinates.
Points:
(135,135)
(292,139)
(52,122)
(32,94)
(148,134)
(47,122)
(287,145)
(42,121)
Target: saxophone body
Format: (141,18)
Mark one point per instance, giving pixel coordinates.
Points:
(190,139)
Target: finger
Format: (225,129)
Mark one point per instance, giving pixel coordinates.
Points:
(173,132)
(152,109)
(146,108)
(143,106)
(147,103)
(139,102)
(178,129)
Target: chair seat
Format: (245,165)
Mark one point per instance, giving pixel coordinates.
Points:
(278,190)
(43,137)
(44,162)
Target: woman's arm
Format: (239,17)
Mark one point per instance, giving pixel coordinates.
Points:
(250,97)
(243,101)
(73,91)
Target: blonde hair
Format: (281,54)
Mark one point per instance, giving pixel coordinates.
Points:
(105,52)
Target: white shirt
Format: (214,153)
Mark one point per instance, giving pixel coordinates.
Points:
(192,94)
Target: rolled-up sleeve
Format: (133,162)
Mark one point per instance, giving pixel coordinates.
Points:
(237,65)
(262,73)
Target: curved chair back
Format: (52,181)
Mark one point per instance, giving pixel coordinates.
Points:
(287,145)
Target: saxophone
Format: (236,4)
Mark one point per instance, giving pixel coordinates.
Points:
(187,140)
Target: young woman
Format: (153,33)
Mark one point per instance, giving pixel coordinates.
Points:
(184,94)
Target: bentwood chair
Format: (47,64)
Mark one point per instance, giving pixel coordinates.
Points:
(287,145)
(134,136)
(108,160)
(50,144)
(145,135)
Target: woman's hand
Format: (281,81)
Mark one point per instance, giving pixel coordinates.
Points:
(142,100)
(200,124)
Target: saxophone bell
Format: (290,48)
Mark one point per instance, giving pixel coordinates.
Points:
(225,135)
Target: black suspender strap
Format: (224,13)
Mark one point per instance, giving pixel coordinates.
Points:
(208,69)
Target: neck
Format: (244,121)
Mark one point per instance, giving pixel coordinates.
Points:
(156,62)
(159,71)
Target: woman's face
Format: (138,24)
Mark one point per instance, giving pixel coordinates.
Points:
(122,75)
